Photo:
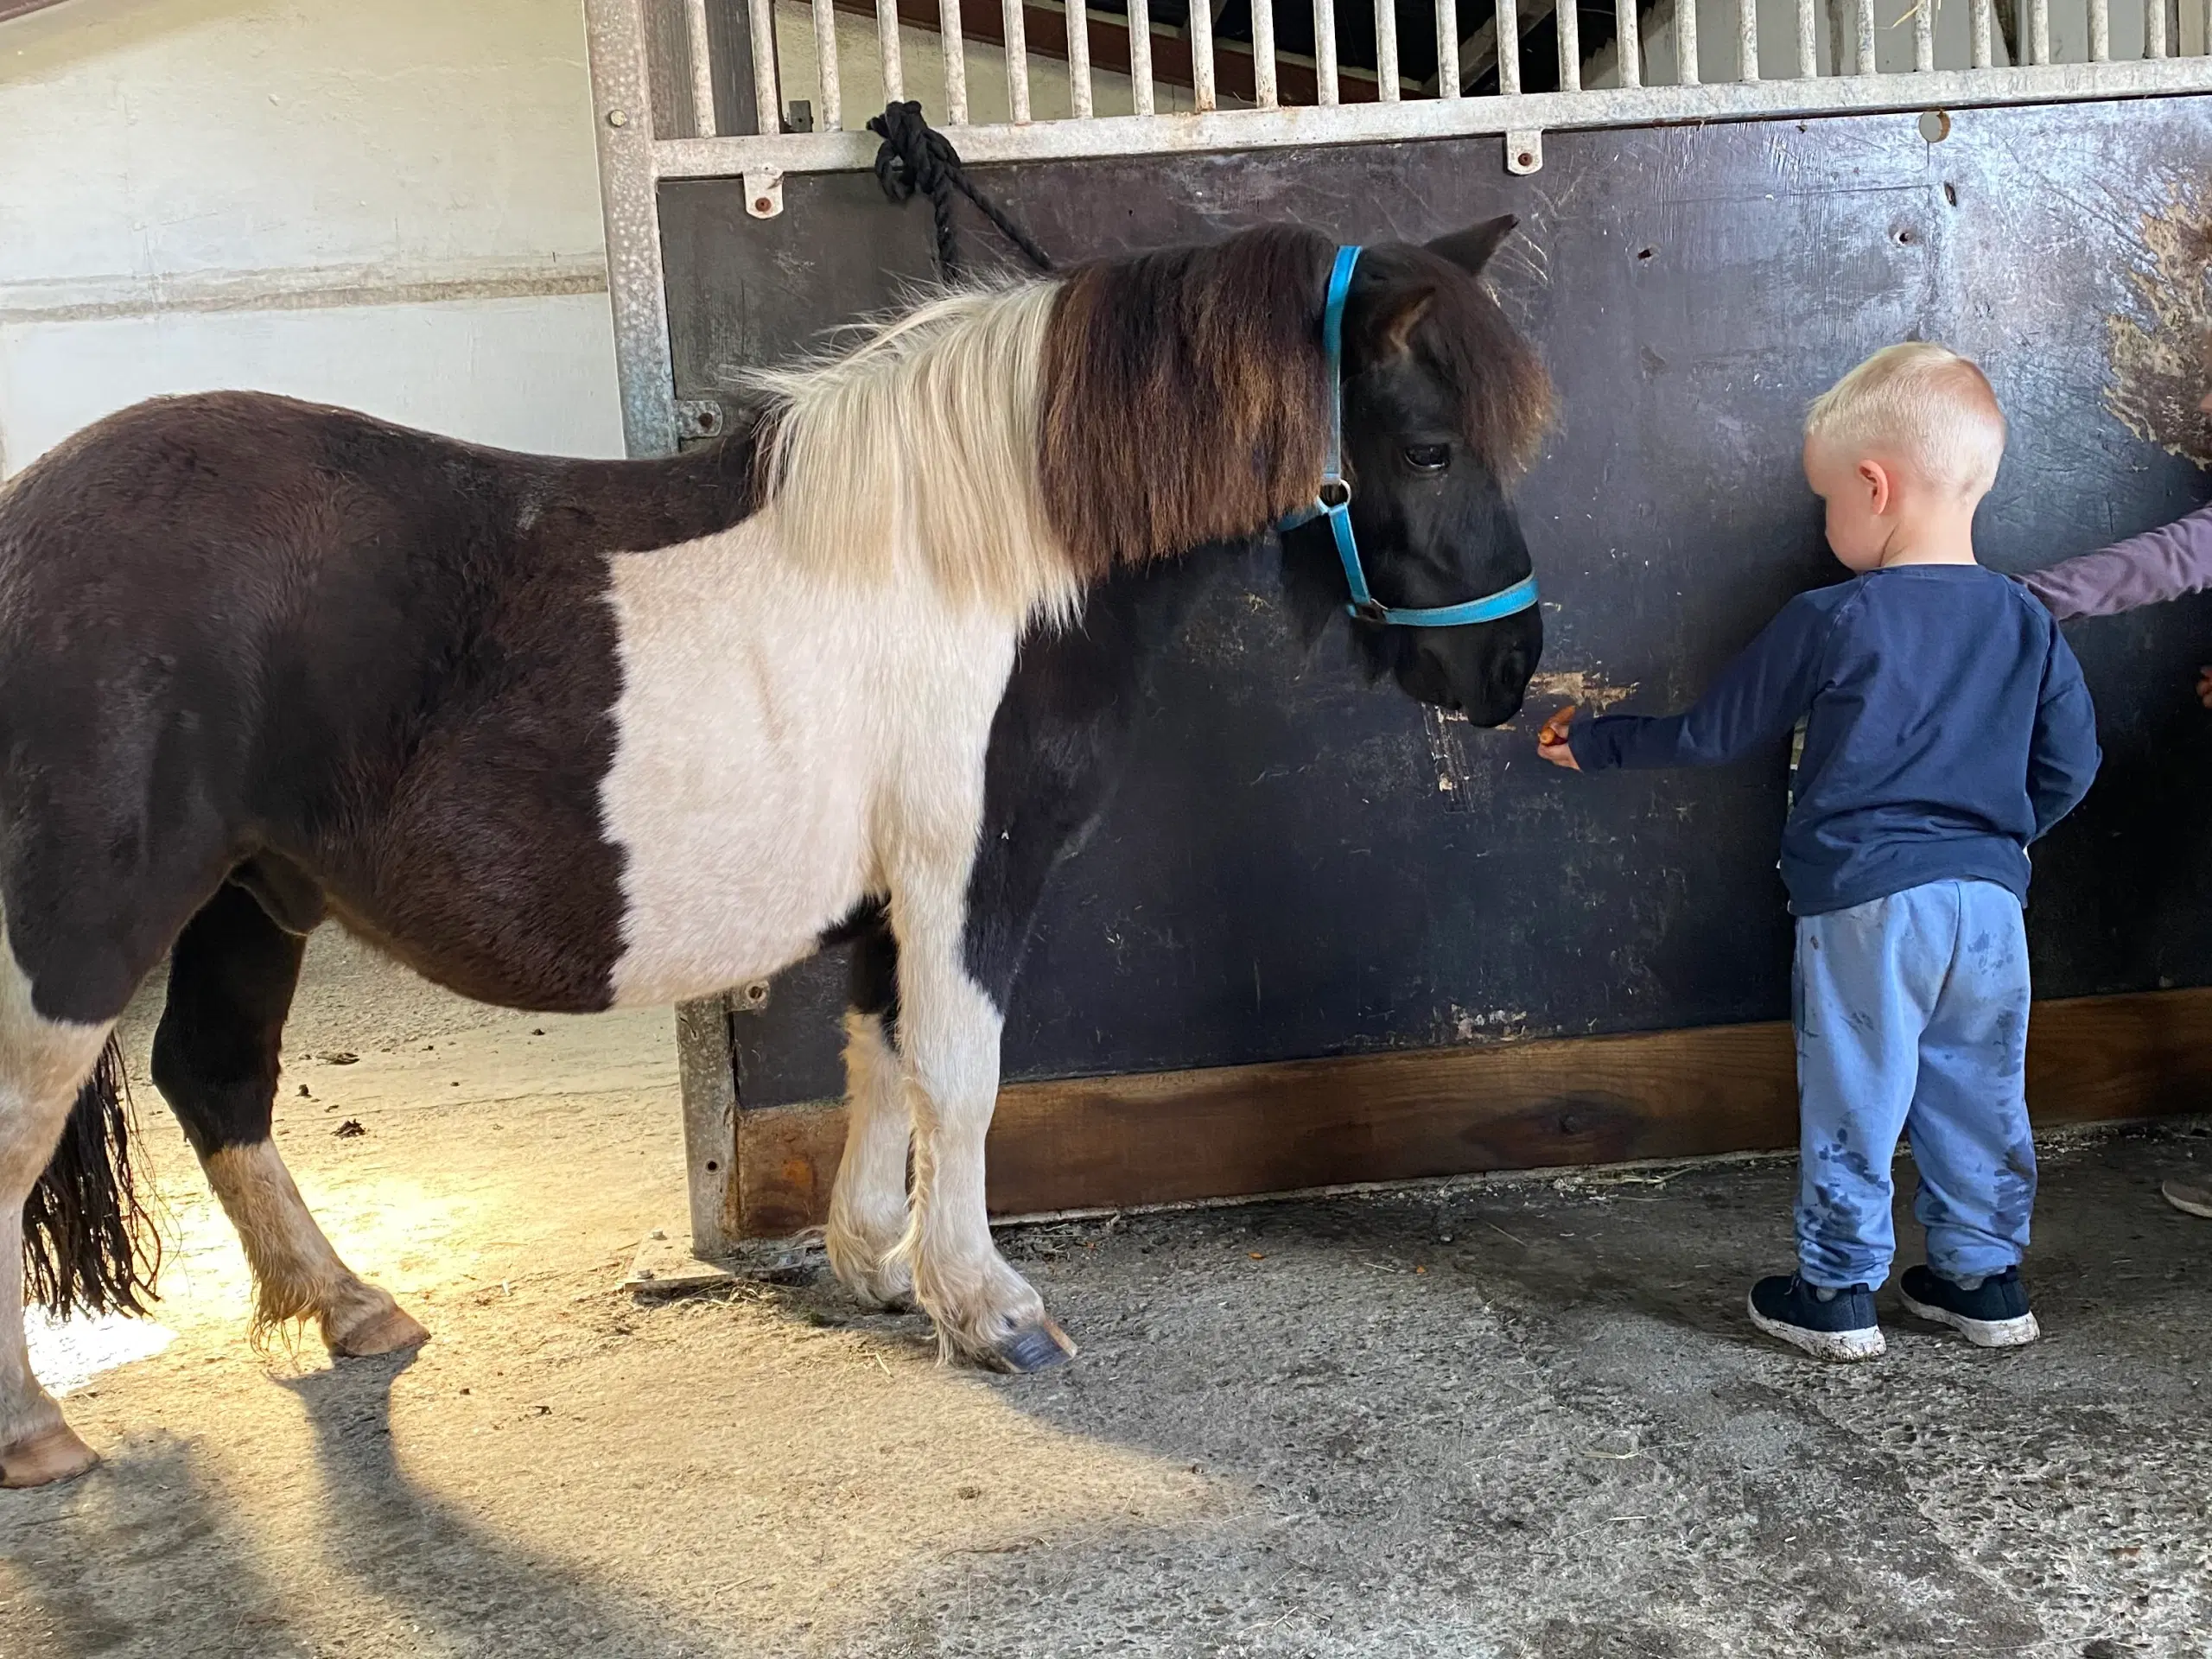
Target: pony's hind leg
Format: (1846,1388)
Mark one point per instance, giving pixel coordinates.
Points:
(231,978)
(79,1222)
(868,1207)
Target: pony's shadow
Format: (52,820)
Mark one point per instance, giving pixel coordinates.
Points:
(435,1568)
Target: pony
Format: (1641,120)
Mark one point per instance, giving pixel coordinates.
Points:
(564,735)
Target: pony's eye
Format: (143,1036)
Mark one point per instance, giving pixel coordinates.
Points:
(1428,457)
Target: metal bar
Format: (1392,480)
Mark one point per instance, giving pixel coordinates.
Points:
(707,1078)
(1747,39)
(1386,48)
(1448,46)
(768,100)
(1627,48)
(1686,66)
(825,62)
(1568,19)
(2039,31)
(1444,117)
(702,68)
(1983,46)
(1017,60)
(886,46)
(1079,58)
(2099,29)
(1264,89)
(623,119)
(1864,61)
(1140,15)
(2154,28)
(954,46)
(1923,35)
(1324,50)
(1509,47)
(1808,41)
(1203,95)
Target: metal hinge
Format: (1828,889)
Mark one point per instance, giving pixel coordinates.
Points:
(1524,151)
(764,192)
(698,417)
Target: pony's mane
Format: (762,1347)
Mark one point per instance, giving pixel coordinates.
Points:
(1024,440)
(921,441)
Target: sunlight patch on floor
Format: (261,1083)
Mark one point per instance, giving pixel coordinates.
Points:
(66,1354)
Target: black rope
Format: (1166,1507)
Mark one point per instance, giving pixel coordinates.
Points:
(916,159)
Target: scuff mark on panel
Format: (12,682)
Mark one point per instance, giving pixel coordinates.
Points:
(2159,356)
(1585,688)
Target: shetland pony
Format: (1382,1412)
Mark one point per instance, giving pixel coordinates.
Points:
(568,734)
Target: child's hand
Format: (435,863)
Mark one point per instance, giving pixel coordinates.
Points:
(1552,744)
(2204,686)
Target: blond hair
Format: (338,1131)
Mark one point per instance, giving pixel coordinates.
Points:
(1920,404)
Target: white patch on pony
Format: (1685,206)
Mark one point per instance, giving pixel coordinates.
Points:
(868,1206)
(42,1062)
(779,726)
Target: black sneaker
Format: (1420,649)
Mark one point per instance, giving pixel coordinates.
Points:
(1993,1314)
(1828,1324)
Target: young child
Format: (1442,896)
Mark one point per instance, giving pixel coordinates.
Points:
(2168,562)
(1946,726)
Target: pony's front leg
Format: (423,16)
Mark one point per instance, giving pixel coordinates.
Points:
(948,1034)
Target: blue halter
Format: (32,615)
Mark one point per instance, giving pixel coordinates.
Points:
(1334,502)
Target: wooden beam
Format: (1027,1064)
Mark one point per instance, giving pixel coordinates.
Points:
(1241,1131)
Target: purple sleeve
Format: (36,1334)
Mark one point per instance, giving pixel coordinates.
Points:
(2147,569)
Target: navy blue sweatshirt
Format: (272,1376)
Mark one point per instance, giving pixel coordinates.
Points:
(1946,726)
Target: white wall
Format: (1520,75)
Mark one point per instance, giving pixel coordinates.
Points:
(391,204)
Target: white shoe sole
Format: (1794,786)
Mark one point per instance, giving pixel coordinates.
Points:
(1822,1345)
(2190,1198)
(1983,1333)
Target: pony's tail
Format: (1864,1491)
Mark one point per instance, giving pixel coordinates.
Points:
(89,1243)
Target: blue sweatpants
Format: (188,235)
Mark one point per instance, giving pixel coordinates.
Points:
(1912,1017)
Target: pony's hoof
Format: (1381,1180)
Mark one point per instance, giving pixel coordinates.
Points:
(57,1454)
(1036,1346)
(389,1332)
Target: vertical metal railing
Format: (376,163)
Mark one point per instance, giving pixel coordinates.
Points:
(1140,15)
(1984,45)
(1017,60)
(1324,51)
(1386,48)
(1265,92)
(1863,61)
(886,47)
(1923,35)
(1809,42)
(1747,39)
(1448,46)
(768,100)
(702,68)
(1507,20)
(2154,28)
(953,41)
(1079,59)
(1686,66)
(825,62)
(1567,16)
(1628,46)
(1200,39)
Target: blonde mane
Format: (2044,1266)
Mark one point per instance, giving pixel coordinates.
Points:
(921,443)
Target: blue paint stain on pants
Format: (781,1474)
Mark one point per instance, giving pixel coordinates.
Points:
(1912,1018)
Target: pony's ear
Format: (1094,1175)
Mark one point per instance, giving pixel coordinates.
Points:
(1470,249)
(1398,311)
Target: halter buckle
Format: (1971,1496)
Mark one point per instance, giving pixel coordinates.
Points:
(1371,610)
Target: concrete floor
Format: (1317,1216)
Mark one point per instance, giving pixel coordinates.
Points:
(1502,1419)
